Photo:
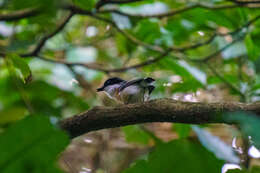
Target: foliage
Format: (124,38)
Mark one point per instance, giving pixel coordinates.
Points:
(135,134)
(183,130)
(248,122)
(253,170)
(170,156)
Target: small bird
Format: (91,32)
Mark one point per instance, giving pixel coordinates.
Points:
(133,91)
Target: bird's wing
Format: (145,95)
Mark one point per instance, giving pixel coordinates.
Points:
(129,83)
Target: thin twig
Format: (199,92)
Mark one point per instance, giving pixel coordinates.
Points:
(196,45)
(42,42)
(223,79)
(81,81)
(148,62)
(32,12)
(246,25)
(116,70)
(245,1)
(174,12)
(19,14)
(214,54)
(133,39)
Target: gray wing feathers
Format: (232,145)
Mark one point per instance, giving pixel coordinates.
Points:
(129,83)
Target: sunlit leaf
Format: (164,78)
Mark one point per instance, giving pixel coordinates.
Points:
(12,114)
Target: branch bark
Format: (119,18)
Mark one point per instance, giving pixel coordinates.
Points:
(19,14)
(160,110)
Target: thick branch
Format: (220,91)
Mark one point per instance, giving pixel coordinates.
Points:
(161,110)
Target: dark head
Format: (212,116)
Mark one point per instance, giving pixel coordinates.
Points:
(110,81)
(149,80)
(150,89)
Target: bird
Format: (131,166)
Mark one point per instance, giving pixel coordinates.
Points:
(128,92)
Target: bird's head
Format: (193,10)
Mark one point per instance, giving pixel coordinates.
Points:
(149,80)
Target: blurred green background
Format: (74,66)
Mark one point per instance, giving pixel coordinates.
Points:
(55,53)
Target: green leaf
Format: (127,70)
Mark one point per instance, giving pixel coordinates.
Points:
(31,145)
(249,124)
(183,130)
(178,156)
(237,171)
(252,51)
(12,114)
(189,81)
(257,65)
(85,4)
(22,66)
(123,45)
(148,34)
(136,135)
(254,169)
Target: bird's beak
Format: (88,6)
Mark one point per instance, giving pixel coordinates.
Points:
(100,89)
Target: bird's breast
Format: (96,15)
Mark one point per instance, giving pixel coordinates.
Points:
(132,94)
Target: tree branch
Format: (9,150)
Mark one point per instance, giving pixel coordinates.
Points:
(173,12)
(160,110)
(32,12)
(105,70)
(19,14)
(164,53)
(42,42)
(246,1)
(142,64)
(223,79)
(176,11)
(131,38)
(148,62)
